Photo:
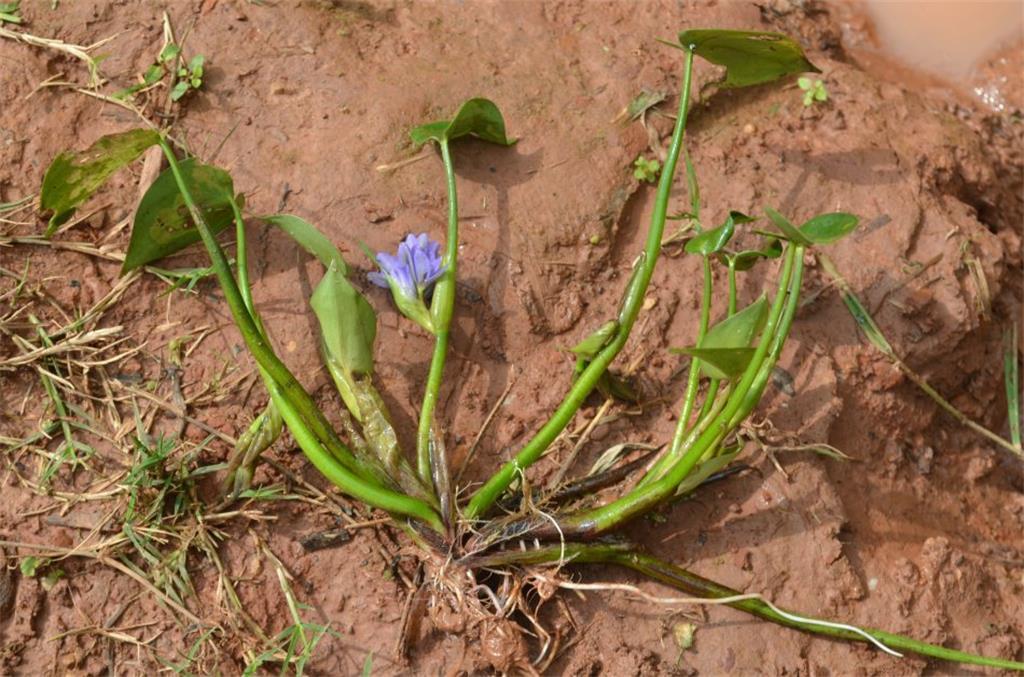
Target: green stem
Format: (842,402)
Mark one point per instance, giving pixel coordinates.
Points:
(692,386)
(737,407)
(732,286)
(304,419)
(441,308)
(485,497)
(703,588)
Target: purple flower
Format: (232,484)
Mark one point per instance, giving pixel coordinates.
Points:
(414,270)
(410,274)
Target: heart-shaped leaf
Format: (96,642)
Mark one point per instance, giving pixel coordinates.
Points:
(740,329)
(73,177)
(720,363)
(713,241)
(827,228)
(749,57)
(476,117)
(309,238)
(348,324)
(725,349)
(163,225)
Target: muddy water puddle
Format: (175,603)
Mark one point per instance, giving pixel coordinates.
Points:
(975,48)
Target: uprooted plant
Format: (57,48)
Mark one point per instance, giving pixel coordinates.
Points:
(493,551)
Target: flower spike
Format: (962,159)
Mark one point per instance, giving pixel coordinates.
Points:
(410,274)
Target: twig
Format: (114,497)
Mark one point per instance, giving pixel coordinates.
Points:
(568,462)
(484,426)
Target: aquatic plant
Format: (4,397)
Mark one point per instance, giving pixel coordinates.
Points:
(501,524)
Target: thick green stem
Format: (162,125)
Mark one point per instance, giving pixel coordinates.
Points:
(699,587)
(737,407)
(304,419)
(485,497)
(442,308)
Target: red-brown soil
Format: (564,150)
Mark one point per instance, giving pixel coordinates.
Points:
(921,534)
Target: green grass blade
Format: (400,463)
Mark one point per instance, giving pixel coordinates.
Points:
(1012,379)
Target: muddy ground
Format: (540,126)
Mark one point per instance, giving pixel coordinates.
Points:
(921,534)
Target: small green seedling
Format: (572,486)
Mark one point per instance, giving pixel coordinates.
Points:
(814,91)
(10,12)
(31,565)
(646,170)
(190,77)
(497,526)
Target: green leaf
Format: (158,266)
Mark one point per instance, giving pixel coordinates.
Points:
(750,57)
(162,223)
(745,260)
(646,170)
(789,231)
(348,324)
(740,329)
(612,385)
(1011,379)
(180,88)
(725,350)
(9,12)
(195,66)
(827,228)
(73,177)
(719,363)
(866,323)
(309,238)
(476,117)
(644,102)
(706,469)
(153,74)
(712,241)
(51,578)
(169,52)
(30,565)
(589,347)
